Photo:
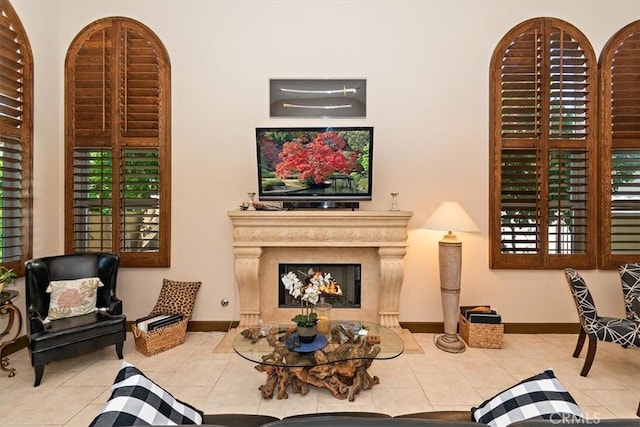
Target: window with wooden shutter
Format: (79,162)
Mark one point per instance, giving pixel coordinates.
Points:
(542,163)
(118,147)
(620,155)
(16,112)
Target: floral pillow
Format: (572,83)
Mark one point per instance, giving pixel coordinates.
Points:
(72,297)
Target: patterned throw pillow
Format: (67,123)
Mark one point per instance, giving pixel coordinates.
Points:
(136,400)
(72,297)
(541,396)
(176,297)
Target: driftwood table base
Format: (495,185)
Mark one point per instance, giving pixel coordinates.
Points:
(339,367)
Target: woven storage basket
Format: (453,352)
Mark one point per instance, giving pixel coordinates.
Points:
(161,339)
(176,297)
(483,335)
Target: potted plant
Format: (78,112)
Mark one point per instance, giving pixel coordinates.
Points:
(309,295)
(6,277)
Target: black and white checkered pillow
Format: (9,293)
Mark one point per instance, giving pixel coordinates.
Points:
(541,396)
(136,400)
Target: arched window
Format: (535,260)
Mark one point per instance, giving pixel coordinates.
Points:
(118,176)
(16,115)
(620,148)
(542,148)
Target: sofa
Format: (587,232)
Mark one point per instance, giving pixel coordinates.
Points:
(367,419)
(137,400)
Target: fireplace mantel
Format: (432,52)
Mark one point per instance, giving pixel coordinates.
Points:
(254,232)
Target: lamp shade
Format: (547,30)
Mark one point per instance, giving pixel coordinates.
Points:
(450,217)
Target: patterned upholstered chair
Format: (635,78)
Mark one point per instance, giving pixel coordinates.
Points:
(630,278)
(598,328)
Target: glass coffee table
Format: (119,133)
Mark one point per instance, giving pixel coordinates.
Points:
(337,361)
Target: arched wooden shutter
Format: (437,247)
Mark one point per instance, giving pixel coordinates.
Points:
(118,183)
(16,112)
(620,155)
(542,185)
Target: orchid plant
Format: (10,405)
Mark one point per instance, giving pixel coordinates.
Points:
(309,295)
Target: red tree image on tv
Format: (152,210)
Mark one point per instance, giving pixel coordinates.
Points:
(269,151)
(317,160)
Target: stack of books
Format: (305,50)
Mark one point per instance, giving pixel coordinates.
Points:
(150,323)
(480,314)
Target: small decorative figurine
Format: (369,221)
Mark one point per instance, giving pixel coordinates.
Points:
(394,201)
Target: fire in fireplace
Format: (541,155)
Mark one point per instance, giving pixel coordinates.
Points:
(342,283)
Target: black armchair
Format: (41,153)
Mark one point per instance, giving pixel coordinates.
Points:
(70,336)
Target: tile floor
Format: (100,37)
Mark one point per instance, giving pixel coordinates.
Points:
(73,391)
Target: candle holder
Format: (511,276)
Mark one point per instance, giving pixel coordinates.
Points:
(251,202)
(324,316)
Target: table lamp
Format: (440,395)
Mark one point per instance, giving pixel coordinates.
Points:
(450,216)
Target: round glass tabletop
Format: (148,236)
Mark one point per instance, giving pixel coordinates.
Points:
(383,343)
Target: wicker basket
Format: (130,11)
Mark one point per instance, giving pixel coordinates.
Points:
(483,335)
(161,339)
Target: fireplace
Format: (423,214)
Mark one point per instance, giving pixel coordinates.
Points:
(262,240)
(340,283)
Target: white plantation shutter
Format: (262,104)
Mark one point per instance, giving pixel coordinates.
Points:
(118,96)
(543,167)
(16,111)
(620,154)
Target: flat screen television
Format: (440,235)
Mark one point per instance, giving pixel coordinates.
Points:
(315,167)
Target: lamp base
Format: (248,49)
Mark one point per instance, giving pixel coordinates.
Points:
(450,343)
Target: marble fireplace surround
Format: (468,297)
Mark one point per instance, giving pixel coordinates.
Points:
(375,239)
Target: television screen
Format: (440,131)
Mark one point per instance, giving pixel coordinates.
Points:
(315,164)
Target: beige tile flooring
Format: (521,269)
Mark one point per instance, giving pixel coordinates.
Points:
(73,391)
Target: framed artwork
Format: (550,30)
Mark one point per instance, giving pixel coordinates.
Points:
(318,97)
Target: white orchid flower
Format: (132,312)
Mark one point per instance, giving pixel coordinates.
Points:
(313,298)
(311,294)
(291,282)
(296,292)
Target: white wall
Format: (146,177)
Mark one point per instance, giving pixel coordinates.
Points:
(426,65)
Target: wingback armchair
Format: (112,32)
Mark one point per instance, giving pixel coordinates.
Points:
(63,337)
